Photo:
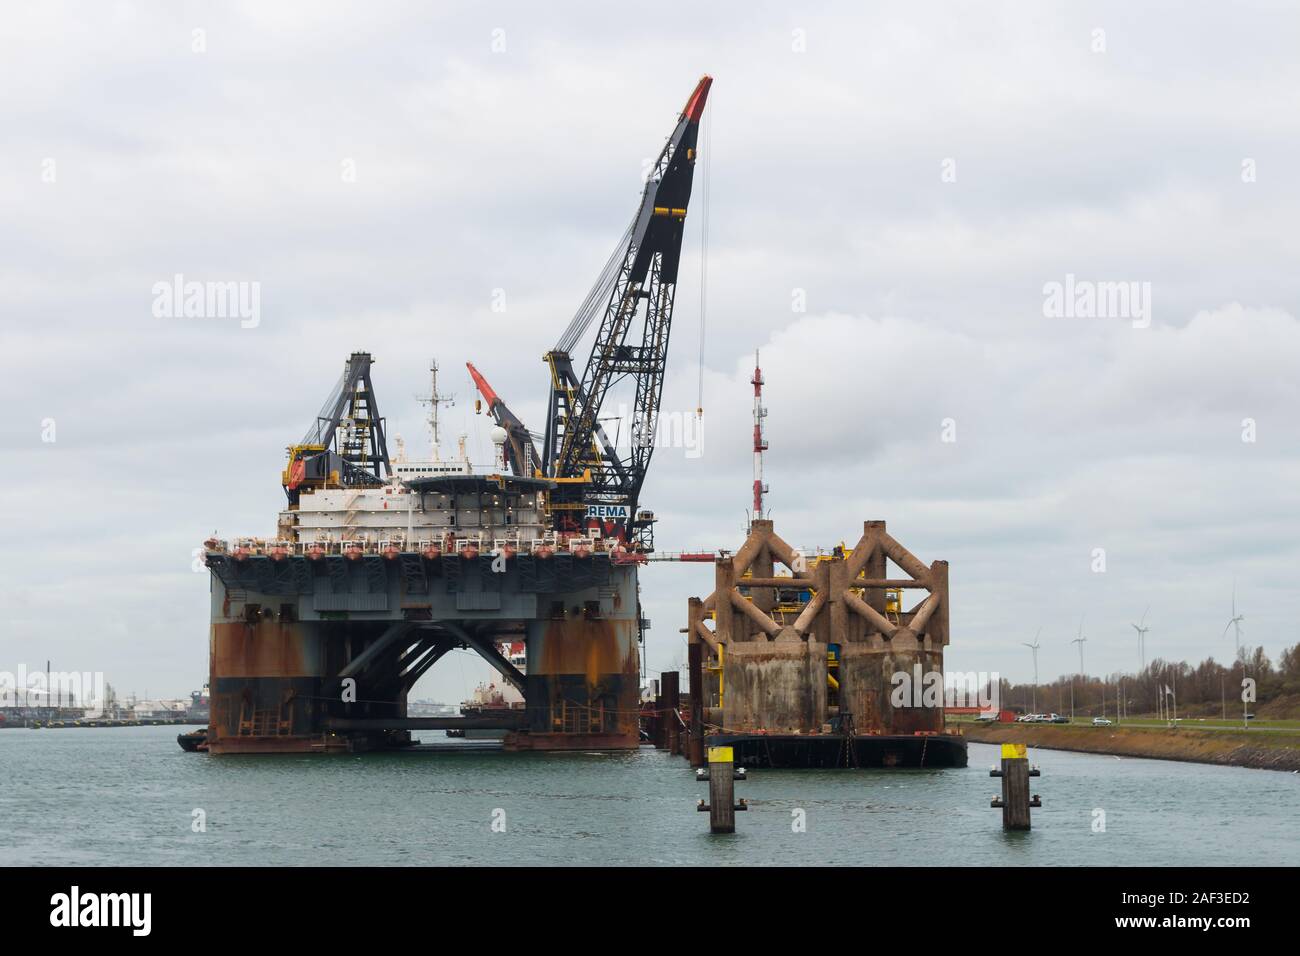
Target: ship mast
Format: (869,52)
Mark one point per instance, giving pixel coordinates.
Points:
(760,443)
(433,400)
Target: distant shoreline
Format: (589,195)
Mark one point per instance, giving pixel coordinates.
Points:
(1232,748)
(33,724)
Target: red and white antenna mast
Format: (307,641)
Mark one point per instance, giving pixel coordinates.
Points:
(760,443)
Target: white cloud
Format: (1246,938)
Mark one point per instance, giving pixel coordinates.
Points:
(478,171)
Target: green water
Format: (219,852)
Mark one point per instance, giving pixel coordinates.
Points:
(126,796)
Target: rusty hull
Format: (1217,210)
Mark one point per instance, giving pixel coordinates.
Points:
(265,682)
(867,690)
(775,687)
(284,634)
(582,685)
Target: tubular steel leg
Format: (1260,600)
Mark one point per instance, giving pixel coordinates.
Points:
(695,661)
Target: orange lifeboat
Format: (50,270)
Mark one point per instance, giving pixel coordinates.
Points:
(391,551)
(353,551)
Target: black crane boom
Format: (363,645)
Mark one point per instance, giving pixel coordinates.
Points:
(346,445)
(638,289)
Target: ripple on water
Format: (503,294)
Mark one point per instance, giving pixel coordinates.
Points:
(127,795)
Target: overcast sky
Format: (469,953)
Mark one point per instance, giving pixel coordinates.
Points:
(890,193)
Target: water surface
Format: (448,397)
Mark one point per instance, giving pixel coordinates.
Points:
(126,796)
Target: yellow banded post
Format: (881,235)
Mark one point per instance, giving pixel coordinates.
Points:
(1015,800)
(722,790)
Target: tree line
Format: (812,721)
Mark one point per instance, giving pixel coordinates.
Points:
(1209,688)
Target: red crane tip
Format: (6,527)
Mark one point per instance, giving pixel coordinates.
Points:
(695,105)
(484,388)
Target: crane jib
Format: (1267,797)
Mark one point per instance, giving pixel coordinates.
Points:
(596,482)
(625,348)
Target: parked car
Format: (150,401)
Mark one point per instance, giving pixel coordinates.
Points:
(988,717)
(1100,722)
(1056,719)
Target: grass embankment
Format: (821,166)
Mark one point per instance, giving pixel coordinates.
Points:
(1277,750)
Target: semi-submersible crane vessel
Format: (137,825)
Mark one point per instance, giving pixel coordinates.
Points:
(380,567)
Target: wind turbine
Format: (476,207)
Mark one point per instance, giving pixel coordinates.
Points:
(1080,641)
(1235,621)
(1034,647)
(1142,638)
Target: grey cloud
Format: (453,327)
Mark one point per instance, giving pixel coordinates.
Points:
(518,171)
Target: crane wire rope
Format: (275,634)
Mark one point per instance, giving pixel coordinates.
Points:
(597,298)
(704,252)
